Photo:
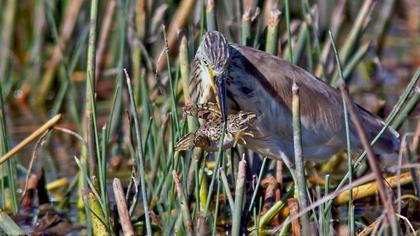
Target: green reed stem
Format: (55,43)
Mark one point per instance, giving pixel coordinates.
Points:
(300,44)
(65,69)
(8,20)
(8,226)
(139,153)
(413,101)
(352,63)
(274,210)
(226,187)
(246,28)
(271,45)
(300,169)
(118,115)
(171,87)
(289,33)
(203,27)
(90,109)
(211,15)
(254,195)
(10,167)
(216,208)
(348,143)
(356,31)
(186,216)
(213,178)
(307,16)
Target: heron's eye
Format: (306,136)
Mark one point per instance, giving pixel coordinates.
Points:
(205,62)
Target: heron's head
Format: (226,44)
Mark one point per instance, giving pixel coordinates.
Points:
(213,55)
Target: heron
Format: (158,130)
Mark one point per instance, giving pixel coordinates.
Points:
(240,78)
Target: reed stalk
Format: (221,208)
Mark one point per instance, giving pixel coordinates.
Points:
(271,45)
(8,226)
(351,221)
(254,195)
(32,137)
(246,27)
(186,216)
(7,170)
(180,17)
(300,180)
(211,21)
(8,19)
(239,197)
(125,219)
(98,224)
(213,178)
(91,134)
(352,63)
(274,210)
(412,102)
(293,205)
(139,154)
(373,163)
(289,33)
(371,189)
(326,218)
(67,28)
(226,188)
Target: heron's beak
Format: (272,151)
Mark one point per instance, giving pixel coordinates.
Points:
(220,82)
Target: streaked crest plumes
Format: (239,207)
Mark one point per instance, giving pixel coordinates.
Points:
(214,50)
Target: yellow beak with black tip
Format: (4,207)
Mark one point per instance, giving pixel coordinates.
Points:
(218,83)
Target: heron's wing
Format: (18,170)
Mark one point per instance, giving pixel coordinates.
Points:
(321,105)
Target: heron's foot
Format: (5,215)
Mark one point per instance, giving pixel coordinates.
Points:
(240,136)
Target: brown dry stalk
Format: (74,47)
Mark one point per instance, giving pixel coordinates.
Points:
(270,185)
(279,178)
(67,27)
(370,189)
(184,205)
(32,137)
(269,5)
(239,197)
(103,38)
(292,204)
(184,10)
(125,219)
(373,163)
(141,18)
